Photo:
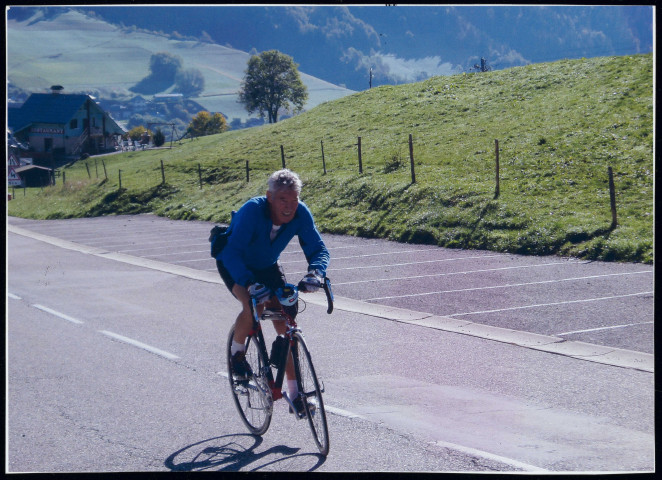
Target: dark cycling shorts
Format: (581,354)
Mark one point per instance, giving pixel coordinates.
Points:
(272,277)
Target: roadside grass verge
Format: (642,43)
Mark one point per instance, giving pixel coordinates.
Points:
(559,126)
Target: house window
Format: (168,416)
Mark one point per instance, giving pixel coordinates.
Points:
(73,124)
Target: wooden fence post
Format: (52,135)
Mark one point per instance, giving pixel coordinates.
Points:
(360,159)
(411,158)
(323,161)
(96,168)
(200,174)
(88,170)
(105,174)
(612,198)
(162,173)
(282,155)
(496,151)
(247,172)
(64,178)
(119,172)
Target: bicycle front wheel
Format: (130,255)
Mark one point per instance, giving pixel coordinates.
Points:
(309,387)
(252,395)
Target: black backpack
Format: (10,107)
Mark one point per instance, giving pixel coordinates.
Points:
(218,238)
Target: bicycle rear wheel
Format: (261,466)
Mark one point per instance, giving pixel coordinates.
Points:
(252,396)
(310,388)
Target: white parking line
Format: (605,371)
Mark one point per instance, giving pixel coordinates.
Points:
(14,297)
(154,246)
(294,249)
(490,456)
(605,328)
(169,254)
(302,259)
(506,286)
(551,304)
(375,255)
(57,314)
(441,274)
(138,344)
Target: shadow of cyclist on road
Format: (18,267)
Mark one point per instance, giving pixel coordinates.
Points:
(234,453)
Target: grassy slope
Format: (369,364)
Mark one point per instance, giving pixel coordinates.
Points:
(559,126)
(82,53)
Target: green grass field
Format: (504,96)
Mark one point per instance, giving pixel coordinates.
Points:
(559,125)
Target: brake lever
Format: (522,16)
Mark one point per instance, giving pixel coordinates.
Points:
(329,295)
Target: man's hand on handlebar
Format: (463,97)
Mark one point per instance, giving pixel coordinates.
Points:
(260,292)
(312,282)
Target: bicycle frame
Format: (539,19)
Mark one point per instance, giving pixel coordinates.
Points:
(276,383)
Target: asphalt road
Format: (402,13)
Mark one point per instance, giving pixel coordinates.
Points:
(117,366)
(601,303)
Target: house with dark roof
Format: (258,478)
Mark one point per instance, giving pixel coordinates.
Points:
(59,125)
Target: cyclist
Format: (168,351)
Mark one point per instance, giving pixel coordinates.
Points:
(248,264)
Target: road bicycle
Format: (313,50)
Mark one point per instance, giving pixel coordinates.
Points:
(254,395)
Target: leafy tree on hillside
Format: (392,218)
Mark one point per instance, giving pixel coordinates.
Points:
(205,123)
(159,138)
(190,82)
(163,67)
(138,132)
(272,82)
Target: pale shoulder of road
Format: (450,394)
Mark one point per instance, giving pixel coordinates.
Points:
(552,344)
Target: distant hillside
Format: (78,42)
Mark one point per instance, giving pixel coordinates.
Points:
(403,43)
(83,53)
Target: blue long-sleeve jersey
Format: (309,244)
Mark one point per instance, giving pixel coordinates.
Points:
(250,248)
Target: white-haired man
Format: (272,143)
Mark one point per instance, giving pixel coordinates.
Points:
(248,264)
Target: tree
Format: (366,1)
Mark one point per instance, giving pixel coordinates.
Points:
(159,138)
(272,82)
(206,124)
(189,82)
(165,66)
(136,133)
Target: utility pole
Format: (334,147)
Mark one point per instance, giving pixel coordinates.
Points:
(370,77)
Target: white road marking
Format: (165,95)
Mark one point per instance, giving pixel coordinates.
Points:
(363,267)
(440,274)
(551,304)
(507,285)
(57,314)
(14,297)
(337,258)
(376,255)
(343,413)
(156,246)
(490,456)
(207,251)
(605,328)
(138,344)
